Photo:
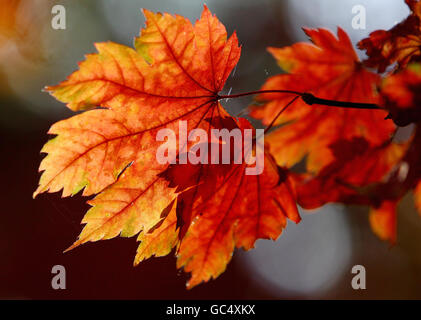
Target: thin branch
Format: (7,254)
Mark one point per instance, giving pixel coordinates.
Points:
(309,99)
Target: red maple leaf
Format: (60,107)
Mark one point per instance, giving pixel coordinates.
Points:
(330,69)
(400,44)
(378,176)
(357,165)
(224,208)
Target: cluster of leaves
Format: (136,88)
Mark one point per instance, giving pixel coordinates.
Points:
(205,211)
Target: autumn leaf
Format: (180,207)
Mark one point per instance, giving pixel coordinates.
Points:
(226,208)
(378,176)
(174,61)
(401,96)
(400,44)
(170,81)
(356,167)
(119,77)
(364,175)
(328,68)
(203,211)
(174,75)
(241,210)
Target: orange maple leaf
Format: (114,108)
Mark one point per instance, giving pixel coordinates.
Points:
(400,44)
(173,75)
(330,69)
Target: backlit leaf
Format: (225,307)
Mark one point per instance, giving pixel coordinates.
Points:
(328,68)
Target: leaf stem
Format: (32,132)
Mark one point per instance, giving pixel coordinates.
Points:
(258,92)
(279,113)
(309,99)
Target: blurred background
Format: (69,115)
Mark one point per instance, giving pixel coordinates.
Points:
(310,260)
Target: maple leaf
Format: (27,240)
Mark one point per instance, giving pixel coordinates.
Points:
(330,69)
(364,175)
(174,75)
(400,44)
(378,176)
(357,165)
(400,95)
(224,208)
(241,210)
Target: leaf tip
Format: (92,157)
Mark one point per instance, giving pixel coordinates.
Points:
(147,13)
(307,30)
(38,191)
(74,245)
